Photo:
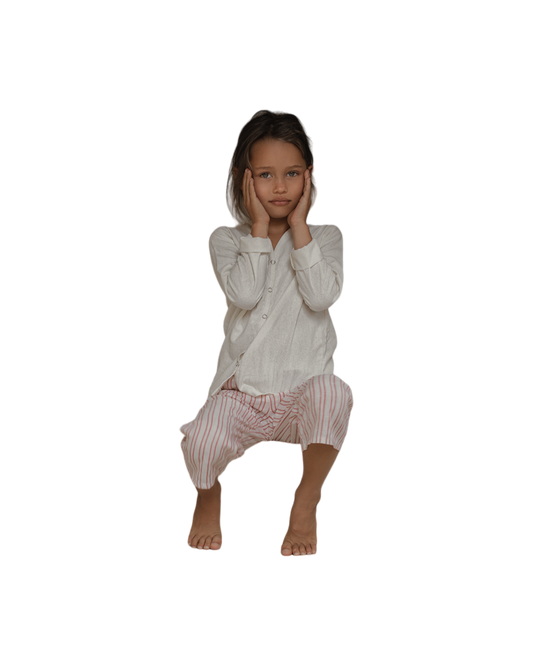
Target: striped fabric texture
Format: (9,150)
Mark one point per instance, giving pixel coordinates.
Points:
(317,411)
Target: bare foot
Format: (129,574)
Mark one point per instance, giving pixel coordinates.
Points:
(205,531)
(301,535)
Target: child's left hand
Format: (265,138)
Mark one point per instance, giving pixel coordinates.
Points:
(299,214)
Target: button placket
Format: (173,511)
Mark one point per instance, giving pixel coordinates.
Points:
(272,261)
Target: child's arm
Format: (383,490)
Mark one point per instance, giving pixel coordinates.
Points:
(321,268)
(241,270)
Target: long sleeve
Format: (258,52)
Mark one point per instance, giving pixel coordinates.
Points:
(319,271)
(241,270)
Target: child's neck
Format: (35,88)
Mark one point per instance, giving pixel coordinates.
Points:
(278,226)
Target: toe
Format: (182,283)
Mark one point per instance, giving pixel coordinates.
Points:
(286,548)
(216,543)
(201,542)
(207,543)
(296,549)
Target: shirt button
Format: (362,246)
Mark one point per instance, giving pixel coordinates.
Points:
(272,261)
(270,289)
(265,316)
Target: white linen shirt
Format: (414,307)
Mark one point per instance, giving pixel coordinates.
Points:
(277,327)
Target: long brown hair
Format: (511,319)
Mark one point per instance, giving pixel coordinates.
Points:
(271,125)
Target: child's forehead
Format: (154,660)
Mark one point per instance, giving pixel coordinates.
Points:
(273,150)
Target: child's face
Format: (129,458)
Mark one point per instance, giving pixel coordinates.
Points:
(284,177)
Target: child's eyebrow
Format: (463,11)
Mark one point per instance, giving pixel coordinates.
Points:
(293,166)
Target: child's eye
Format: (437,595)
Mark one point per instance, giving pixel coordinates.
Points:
(268,172)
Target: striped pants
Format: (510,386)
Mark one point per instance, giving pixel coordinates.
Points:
(230,422)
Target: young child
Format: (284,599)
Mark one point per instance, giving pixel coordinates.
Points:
(274,380)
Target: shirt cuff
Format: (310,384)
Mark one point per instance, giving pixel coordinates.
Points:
(306,256)
(255,244)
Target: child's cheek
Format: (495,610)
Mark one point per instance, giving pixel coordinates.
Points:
(260,188)
(258,185)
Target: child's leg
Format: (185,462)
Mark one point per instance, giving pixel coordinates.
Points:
(318,459)
(301,536)
(225,427)
(324,410)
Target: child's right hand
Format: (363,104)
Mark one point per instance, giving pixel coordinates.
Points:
(255,208)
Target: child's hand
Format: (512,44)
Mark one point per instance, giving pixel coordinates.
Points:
(255,208)
(299,214)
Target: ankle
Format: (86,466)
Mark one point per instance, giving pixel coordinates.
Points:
(208,493)
(307,496)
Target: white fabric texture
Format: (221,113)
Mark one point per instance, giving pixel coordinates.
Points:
(278,331)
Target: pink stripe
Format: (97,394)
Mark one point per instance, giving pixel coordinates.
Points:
(334,425)
(312,405)
(236,411)
(338,421)
(286,402)
(210,434)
